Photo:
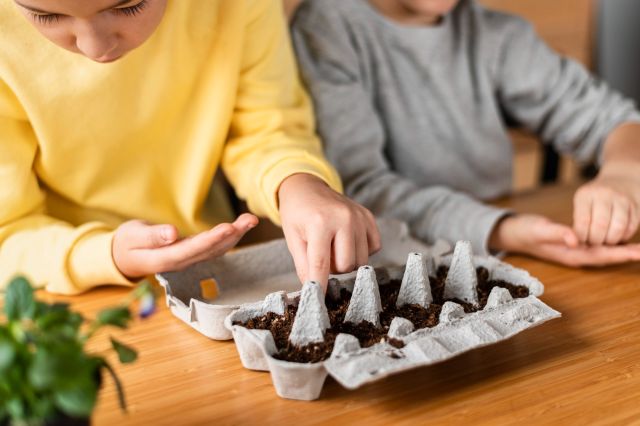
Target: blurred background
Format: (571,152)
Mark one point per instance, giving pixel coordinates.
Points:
(604,35)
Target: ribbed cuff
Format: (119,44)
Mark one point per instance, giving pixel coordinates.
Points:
(290,166)
(90,262)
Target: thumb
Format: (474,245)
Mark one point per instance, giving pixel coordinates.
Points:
(153,236)
(245,222)
(551,232)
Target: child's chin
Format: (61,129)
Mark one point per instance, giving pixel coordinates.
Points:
(431,7)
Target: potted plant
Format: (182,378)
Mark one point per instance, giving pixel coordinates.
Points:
(46,375)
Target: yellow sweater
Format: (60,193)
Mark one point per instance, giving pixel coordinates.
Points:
(85,146)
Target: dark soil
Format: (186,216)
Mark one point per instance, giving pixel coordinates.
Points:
(367,333)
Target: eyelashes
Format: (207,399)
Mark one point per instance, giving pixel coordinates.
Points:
(45,19)
(130,11)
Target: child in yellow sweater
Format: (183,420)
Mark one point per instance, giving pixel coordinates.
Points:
(109,146)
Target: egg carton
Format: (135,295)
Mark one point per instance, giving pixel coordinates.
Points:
(352,366)
(249,274)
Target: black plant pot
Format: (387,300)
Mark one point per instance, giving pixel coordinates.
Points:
(61,420)
(64,420)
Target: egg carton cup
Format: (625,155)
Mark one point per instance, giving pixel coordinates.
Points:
(249,274)
(353,366)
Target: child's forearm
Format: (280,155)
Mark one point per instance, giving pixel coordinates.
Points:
(621,152)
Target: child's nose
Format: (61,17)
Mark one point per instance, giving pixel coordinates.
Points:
(95,44)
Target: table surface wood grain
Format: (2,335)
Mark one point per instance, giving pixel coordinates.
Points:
(581,369)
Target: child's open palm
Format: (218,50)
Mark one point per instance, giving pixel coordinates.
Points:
(539,237)
(140,248)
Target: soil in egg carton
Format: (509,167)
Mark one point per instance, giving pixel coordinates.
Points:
(367,333)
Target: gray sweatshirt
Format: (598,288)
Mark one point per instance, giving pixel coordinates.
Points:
(414,118)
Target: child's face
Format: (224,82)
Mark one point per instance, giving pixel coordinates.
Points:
(101,30)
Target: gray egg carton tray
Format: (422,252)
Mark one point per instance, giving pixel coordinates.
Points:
(353,366)
(249,274)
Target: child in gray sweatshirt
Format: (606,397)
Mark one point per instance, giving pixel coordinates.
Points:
(413,98)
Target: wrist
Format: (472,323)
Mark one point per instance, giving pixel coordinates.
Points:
(620,168)
(502,238)
(298,181)
(621,145)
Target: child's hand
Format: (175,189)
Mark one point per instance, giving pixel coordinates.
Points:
(325,231)
(539,237)
(607,209)
(141,249)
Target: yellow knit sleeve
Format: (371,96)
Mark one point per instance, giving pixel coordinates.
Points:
(272,130)
(50,252)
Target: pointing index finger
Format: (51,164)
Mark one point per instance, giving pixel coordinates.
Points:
(319,257)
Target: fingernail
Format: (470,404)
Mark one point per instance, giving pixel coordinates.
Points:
(165,233)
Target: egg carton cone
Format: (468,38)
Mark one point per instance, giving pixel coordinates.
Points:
(353,366)
(250,274)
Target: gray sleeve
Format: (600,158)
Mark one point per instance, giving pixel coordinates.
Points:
(556,97)
(354,139)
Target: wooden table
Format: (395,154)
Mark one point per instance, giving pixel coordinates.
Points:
(581,369)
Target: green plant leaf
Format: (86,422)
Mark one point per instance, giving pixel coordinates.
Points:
(45,308)
(7,353)
(119,388)
(126,354)
(43,408)
(44,369)
(15,408)
(60,321)
(19,302)
(62,364)
(77,401)
(117,317)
